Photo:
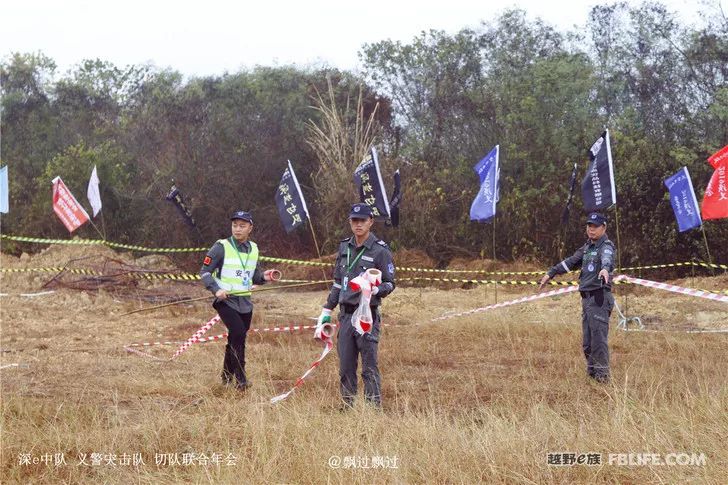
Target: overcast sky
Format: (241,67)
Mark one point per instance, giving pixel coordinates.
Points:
(205,38)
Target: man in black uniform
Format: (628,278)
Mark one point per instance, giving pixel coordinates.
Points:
(229,271)
(596,259)
(355,255)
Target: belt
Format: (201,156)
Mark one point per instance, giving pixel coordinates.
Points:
(350,309)
(587,294)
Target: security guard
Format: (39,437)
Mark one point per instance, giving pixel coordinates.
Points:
(596,259)
(355,255)
(229,271)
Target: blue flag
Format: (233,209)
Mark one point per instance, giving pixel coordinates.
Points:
(4,199)
(483,206)
(682,198)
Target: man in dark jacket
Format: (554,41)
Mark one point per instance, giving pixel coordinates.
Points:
(596,260)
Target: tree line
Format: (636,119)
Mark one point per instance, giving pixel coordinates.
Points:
(437,104)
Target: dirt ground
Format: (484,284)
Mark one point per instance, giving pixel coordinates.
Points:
(479,398)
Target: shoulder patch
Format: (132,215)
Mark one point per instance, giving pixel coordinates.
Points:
(207,260)
(382,243)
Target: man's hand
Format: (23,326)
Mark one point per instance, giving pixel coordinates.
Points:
(272,275)
(543,281)
(604,275)
(221,294)
(367,291)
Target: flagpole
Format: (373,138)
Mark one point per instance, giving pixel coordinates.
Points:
(103,225)
(315,242)
(619,252)
(495,285)
(97,229)
(619,244)
(707,249)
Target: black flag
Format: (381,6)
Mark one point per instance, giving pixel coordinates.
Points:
(572,184)
(368,178)
(175,197)
(289,200)
(597,188)
(396,199)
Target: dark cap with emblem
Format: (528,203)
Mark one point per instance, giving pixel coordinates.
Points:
(242,215)
(596,218)
(360,211)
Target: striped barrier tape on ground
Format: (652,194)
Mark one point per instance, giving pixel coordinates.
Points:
(524,299)
(202,339)
(147,355)
(617,280)
(196,336)
(30,295)
(153,344)
(9,366)
(673,288)
(670,330)
(625,278)
(328,344)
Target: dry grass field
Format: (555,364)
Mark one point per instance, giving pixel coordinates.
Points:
(483,398)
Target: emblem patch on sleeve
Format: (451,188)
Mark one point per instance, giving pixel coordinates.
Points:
(207,260)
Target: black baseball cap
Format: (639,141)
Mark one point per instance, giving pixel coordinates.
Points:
(596,218)
(360,211)
(243,215)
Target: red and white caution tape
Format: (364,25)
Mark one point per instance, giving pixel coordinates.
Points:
(524,299)
(132,350)
(196,336)
(290,328)
(152,344)
(628,279)
(327,337)
(675,289)
(30,295)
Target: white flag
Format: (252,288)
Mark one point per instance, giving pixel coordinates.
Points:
(94,197)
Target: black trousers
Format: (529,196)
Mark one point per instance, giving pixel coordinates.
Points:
(238,325)
(350,345)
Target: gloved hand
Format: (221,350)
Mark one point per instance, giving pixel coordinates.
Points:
(324,318)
